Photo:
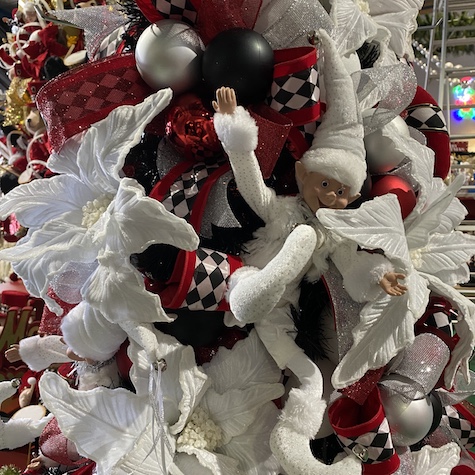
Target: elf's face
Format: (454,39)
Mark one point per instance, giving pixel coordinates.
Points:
(319,191)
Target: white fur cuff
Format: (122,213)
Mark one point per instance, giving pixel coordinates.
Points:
(238,131)
(41,352)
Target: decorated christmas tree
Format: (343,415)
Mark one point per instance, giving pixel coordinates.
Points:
(241,231)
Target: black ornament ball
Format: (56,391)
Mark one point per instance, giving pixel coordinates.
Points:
(241,59)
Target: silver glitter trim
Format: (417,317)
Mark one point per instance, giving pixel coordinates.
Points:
(423,363)
(217,211)
(167,157)
(406,466)
(290,22)
(97,23)
(346,310)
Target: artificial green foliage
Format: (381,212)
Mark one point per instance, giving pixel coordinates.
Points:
(456,19)
(9,470)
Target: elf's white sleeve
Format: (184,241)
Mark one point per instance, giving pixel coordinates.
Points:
(238,134)
(361,271)
(40,352)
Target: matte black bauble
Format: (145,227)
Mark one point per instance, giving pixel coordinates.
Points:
(241,59)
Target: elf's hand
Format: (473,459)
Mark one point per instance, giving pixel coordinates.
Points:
(390,284)
(13,353)
(226,102)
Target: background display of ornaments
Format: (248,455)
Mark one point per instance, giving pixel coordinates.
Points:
(146,208)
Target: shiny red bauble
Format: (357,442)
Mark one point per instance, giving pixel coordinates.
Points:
(398,186)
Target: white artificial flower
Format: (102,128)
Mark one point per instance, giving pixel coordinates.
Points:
(216,419)
(424,249)
(91,218)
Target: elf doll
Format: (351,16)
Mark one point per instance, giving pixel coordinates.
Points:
(293,243)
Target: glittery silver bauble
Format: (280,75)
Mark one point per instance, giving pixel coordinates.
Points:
(168,54)
(409,419)
(381,154)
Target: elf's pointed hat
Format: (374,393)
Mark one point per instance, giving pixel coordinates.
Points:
(337,150)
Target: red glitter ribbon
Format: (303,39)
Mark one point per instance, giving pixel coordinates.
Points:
(73,101)
(209,17)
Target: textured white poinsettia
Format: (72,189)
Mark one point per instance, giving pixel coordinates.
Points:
(216,419)
(89,214)
(436,461)
(386,324)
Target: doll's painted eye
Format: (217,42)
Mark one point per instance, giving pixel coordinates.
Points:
(324,184)
(340,191)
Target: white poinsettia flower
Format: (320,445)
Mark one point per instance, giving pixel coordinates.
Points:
(90,214)
(436,460)
(423,255)
(216,419)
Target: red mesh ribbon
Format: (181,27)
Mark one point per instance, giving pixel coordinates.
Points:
(73,101)
(50,322)
(156,10)
(209,17)
(274,129)
(360,390)
(215,16)
(54,445)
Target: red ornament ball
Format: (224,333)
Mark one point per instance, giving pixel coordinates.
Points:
(123,361)
(190,129)
(401,188)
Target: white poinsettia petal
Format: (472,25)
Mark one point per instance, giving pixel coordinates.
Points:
(376,224)
(386,326)
(236,410)
(252,448)
(152,453)
(189,464)
(66,162)
(452,217)
(246,364)
(90,335)
(140,370)
(422,160)
(118,291)
(436,460)
(446,252)
(41,201)
(419,230)
(106,143)
(418,294)
(218,464)
(194,384)
(139,221)
(179,399)
(95,420)
(454,277)
(54,237)
(352,27)
(39,256)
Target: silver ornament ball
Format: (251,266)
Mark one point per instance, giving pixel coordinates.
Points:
(409,419)
(381,153)
(168,54)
